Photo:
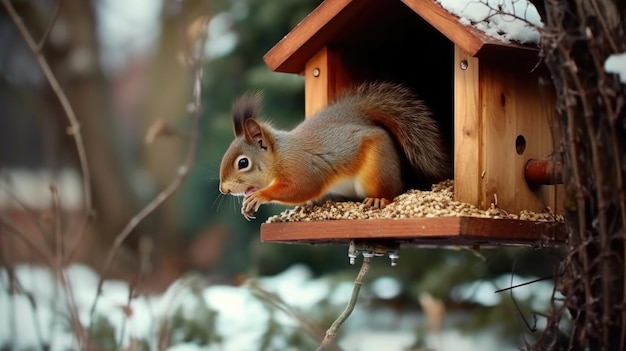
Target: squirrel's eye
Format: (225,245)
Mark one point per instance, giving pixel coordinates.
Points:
(243,163)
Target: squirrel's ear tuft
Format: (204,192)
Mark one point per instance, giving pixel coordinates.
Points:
(246,107)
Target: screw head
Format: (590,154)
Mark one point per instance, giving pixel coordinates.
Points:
(394,256)
(368,254)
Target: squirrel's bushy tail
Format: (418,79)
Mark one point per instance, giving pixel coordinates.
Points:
(399,110)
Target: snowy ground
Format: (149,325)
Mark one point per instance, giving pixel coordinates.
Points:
(225,317)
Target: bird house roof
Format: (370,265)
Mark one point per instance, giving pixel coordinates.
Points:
(336,19)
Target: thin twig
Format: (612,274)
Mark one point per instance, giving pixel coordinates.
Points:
(275,301)
(65,104)
(164,320)
(523,284)
(553,319)
(600,17)
(53,20)
(34,217)
(331,333)
(598,176)
(56,218)
(603,203)
(498,11)
(14,287)
(28,239)
(181,175)
(532,327)
(59,271)
(578,184)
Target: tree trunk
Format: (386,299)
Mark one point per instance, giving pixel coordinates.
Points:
(577,38)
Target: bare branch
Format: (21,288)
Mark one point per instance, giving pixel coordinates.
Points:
(53,20)
(530,327)
(58,268)
(331,333)
(524,284)
(275,301)
(28,239)
(34,217)
(74,128)
(181,175)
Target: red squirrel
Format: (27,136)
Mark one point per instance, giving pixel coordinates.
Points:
(362,147)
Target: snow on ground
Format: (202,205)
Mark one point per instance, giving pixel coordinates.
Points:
(33,188)
(235,318)
(504,20)
(616,63)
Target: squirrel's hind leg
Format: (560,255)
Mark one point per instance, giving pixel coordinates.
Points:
(380,175)
(376,202)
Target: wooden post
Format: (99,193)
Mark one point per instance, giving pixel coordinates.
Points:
(467,129)
(324,78)
(515,130)
(543,172)
(501,121)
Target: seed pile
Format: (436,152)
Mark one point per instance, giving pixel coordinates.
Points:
(413,204)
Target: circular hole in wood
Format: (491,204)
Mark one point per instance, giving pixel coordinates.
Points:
(464,64)
(520,144)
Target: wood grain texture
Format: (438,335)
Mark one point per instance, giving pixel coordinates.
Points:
(431,231)
(467,128)
(324,78)
(316,94)
(515,129)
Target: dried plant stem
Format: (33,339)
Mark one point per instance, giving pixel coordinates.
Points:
(183,171)
(74,317)
(331,333)
(60,94)
(181,175)
(273,300)
(51,23)
(74,128)
(28,239)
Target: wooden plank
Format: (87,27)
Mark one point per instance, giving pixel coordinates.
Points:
(316,76)
(515,129)
(324,79)
(314,32)
(467,128)
(443,231)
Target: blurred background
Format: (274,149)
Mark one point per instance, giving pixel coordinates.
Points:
(122,65)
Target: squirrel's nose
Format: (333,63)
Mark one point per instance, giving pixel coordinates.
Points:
(223,190)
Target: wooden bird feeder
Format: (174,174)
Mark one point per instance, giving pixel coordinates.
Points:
(483,91)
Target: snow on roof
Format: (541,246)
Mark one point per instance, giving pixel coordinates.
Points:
(506,20)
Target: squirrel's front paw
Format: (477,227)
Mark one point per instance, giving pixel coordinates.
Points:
(251,204)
